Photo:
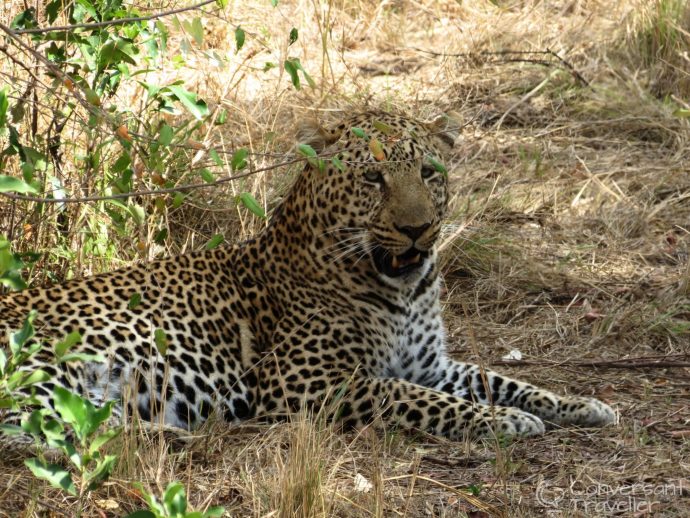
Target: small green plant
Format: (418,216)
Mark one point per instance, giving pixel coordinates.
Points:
(475,489)
(82,419)
(15,383)
(12,263)
(77,428)
(173,505)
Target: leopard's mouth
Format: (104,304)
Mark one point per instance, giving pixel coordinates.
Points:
(397,265)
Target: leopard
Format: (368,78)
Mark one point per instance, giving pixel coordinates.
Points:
(335,304)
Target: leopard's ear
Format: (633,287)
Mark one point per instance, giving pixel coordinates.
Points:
(311,132)
(446,128)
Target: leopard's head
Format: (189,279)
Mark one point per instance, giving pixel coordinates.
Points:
(383,194)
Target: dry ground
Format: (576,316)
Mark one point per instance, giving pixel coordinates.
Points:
(568,241)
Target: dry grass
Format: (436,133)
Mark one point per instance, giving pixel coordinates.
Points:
(568,240)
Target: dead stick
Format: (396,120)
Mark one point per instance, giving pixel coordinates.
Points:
(623,363)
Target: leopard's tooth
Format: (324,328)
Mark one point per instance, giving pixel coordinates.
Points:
(416,259)
(395,263)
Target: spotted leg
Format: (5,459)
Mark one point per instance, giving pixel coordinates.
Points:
(319,374)
(359,400)
(469,381)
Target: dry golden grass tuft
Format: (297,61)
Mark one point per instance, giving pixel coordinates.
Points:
(568,240)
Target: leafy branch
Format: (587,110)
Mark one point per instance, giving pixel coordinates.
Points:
(119,21)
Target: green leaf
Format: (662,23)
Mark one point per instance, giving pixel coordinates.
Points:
(19,339)
(250,202)
(13,280)
(165,135)
(306,150)
(292,66)
(195,29)
(222,116)
(25,20)
(70,341)
(174,499)
(383,127)
(141,514)
(103,470)
(161,341)
(438,166)
(680,112)
(274,3)
(293,36)
(71,452)
(33,423)
(34,377)
(207,176)
(103,439)
(134,300)
(153,504)
(52,10)
(138,213)
(214,241)
(160,239)
(214,512)
(178,199)
(338,164)
(8,402)
(222,3)
(12,184)
(53,473)
(291,69)
(101,415)
(10,429)
(239,38)
(53,430)
(359,132)
(73,409)
(310,81)
(4,104)
(197,107)
(214,156)
(121,163)
(92,97)
(238,160)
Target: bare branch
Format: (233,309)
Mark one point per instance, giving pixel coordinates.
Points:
(548,52)
(120,21)
(643,362)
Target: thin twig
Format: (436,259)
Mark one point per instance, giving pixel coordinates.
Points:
(547,52)
(120,21)
(76,92)
(194,186)
(646,362)
(151,192)
(570,67)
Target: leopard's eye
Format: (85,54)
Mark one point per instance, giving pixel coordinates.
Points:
(428,171)
(373,176)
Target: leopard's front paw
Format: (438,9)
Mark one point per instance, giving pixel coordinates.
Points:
(507,422)
(584,411)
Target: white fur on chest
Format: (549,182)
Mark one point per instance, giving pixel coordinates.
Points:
(418,339)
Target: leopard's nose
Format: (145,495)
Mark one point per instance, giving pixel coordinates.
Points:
(413,233)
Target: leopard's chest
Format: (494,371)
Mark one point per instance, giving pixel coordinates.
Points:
(417,337)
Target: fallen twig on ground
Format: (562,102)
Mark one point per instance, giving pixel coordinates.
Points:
(656,362)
